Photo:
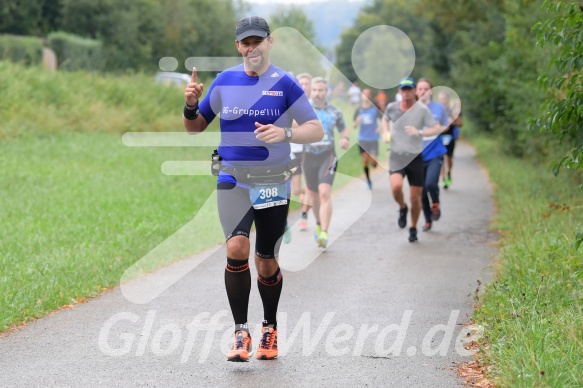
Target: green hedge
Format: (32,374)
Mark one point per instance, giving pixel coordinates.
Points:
(21,49)
(76,53)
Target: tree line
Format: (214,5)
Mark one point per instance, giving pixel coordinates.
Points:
(496,56)
(517,64)
(134,34)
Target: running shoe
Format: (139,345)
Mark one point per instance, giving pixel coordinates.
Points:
(435,211)
(403,217)
(267,349)
(318,231)
(446,182)
(369,184)
(412,234)
(241,347)
(322,239)
(427,226)
(303,225)
(287,235)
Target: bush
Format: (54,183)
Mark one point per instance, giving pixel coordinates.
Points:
(21,49)
(76,53)
(561,113)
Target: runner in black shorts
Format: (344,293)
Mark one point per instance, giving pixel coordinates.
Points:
(367,117)
(252,178)
(449,139)
(414,170)
(408,121)
(320,159)
(320,168)
(449,136)
(237,216)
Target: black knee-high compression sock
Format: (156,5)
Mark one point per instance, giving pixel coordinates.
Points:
(270,291)
(238,286)
(366,173)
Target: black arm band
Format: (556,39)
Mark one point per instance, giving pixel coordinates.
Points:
(190,114)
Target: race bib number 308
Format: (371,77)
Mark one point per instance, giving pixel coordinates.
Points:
(268,195)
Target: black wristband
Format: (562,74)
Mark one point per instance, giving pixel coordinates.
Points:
(191,106)
(190,114)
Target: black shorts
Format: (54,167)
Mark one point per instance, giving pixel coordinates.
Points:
(237,215)
(299,156)
(408,165)
(320,168)
(370,147)
(450,147)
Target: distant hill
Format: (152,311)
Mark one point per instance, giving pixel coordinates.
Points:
(330,18)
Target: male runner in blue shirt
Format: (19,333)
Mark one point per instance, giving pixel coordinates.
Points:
(367,116)
(257,102)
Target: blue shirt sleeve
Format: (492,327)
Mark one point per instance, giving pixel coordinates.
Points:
(300,108)
(210,100)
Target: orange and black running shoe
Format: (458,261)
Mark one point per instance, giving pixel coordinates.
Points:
(241,347)
(267,349)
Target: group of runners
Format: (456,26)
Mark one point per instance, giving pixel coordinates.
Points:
(274,127)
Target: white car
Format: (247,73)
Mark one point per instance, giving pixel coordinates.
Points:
(172,78)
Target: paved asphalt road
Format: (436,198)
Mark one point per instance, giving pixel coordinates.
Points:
(373,310)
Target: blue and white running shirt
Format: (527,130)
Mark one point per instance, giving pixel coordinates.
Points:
(274,97)
(368,123)
(330,117)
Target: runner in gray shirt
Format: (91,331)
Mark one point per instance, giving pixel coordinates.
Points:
(408,121)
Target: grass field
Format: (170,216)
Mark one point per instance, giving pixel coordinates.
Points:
(78,206)
(78,209)
(533,311)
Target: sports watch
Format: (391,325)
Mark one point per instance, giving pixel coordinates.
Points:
(288,134)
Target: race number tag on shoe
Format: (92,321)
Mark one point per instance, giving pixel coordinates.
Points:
(265,195)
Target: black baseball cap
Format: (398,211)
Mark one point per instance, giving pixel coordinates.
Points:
(408,82)
(252,26)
